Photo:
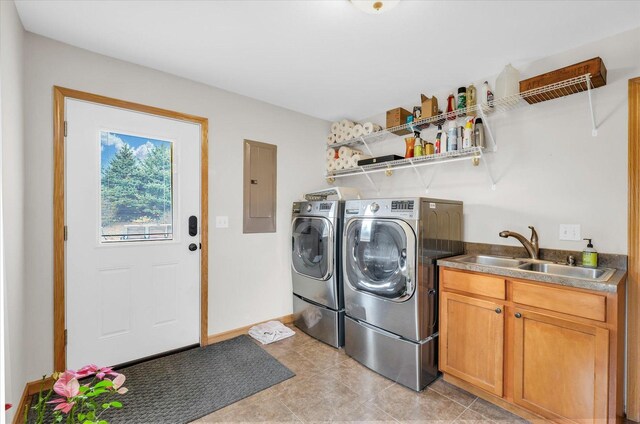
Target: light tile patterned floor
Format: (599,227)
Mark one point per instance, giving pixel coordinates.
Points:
(331,387)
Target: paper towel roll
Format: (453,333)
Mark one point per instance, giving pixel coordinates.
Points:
(331,165)
(357,157)
(346,124)
(357,131)
(331,153)
(350,135)
(339,137)
(339,164)
(335,126)
(346,152)
(369,127)
(330,139)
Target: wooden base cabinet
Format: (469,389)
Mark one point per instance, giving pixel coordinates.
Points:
(549,350)
(560,367)
(473,334)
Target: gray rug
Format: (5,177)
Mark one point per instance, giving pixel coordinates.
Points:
(185,386)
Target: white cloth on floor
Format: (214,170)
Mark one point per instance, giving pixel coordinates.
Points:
(270,332)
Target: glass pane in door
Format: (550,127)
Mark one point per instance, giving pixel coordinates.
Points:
(376,253)
(136,188)
(311,244)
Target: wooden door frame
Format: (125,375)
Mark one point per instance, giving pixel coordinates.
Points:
(60,94)
(633,277)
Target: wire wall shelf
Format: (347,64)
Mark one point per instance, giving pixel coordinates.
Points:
(474,154)
(497,106)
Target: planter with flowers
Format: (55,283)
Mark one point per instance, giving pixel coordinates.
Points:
(79,403)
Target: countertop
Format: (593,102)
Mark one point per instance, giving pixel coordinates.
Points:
(609,286)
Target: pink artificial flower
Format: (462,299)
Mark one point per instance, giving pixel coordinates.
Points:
(67,387)
(93,369)
(7,406)
(63,405)
(102,372)
(87,370)
(117,384)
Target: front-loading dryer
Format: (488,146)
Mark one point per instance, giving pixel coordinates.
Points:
(318,303)
(390,248)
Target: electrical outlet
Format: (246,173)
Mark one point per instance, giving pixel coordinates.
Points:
(570,232)
(222,222)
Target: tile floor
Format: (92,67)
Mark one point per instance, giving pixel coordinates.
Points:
(330,386)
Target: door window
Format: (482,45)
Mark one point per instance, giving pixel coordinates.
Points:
(311,247)
(136,188)
(376,257)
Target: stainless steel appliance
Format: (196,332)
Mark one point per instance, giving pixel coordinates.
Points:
(390,248)
(318,304)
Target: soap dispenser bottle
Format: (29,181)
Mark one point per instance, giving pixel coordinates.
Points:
(589,255)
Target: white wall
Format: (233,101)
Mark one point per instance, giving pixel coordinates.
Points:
(249,277)
(548,167)
(11,74)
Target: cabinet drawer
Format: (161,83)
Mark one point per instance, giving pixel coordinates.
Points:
(482,285)
(580,304)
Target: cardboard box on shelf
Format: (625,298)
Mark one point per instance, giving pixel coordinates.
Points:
(398,116)
(429,106)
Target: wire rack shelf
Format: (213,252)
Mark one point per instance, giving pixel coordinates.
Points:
(497,106)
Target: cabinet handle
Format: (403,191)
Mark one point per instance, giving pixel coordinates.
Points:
(518,315)
(498,311)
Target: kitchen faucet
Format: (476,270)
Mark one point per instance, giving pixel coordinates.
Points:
(531,246)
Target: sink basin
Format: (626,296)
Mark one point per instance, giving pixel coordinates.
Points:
(539,266)
(600,274)
(493,261)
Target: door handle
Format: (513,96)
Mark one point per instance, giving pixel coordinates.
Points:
(193,225)
(518,315)
(193,247)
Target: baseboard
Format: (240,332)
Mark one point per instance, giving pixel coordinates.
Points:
(30,389)
(215,338)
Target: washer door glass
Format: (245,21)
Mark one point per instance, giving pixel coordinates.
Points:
(376,257)
(311,247)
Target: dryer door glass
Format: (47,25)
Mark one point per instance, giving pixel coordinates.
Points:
(376,257)
(311,244)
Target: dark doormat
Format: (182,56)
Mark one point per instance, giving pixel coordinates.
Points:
(185,386)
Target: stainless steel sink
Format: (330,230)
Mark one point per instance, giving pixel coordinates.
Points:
(493,261)
(542,267)
(600,274)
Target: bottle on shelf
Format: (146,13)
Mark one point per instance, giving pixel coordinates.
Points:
(417,145)
(438,140)
(452,137)
(443,142)
(507,82)
(471,100)
(486,98)
(429,148)
(459,132)
(478,132)
(451,107)
(467,135)
(462,101)
(410,143)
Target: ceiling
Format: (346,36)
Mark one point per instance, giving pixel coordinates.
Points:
(326,58)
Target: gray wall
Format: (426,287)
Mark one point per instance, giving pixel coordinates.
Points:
(11,81)
(249,276)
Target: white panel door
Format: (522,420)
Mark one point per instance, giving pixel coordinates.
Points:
(133,268)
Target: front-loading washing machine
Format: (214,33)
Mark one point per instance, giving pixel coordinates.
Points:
(318,302)
(390,248)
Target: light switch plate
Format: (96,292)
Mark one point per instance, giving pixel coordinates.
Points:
(570,232)
(222,222)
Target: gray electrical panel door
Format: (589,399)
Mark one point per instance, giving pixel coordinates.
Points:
(260,165)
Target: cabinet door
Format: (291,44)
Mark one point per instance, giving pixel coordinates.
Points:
(471,340)
(560,367)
